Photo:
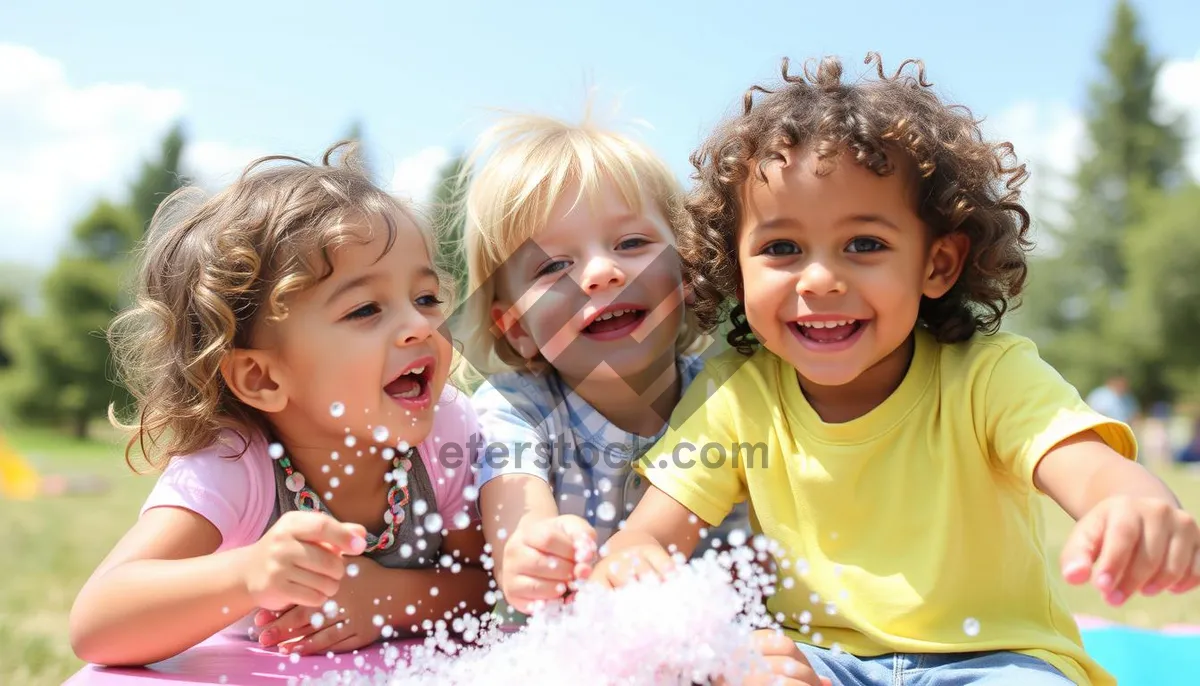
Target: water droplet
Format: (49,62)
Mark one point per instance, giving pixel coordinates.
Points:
(814,598)
(817,637)
(606,511)
(387,632)
(294,658)
(350,441)
(377,620)
(405,550)
(410,610)
(324,469)
(351,569)
(420,507)
(462,520)
(317,620)
(605,485)
(433,522)
(337,409)
(806,617)
(387,453)
(334,482)
(330,608)
(502,534)
(433,590)
(830,609)
(275,450)
(380,434)
(788,582)
(470,493)
(971,626)
(737,538)
(349,469)
(402,446)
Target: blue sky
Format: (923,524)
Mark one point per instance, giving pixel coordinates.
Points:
(250,77)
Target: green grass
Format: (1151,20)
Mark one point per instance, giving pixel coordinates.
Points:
(52,545)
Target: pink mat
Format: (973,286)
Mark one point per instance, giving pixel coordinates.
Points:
(223,659)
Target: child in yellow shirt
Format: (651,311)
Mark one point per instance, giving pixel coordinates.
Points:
(886,437)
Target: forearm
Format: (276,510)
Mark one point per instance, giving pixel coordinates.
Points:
(1125,479)
(409,597)
(144,611)
(505,503)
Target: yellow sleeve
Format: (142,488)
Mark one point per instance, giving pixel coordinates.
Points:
(692,462)
(1030,408)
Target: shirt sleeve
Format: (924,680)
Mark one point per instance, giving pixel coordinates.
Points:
(514,430)
(235,494)
(1029,408)
(451,455)
(704,417)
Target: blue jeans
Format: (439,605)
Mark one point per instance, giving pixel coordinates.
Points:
(930,669)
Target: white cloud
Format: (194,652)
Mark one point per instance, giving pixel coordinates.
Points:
(1051,138)
(416,175)
(64,146)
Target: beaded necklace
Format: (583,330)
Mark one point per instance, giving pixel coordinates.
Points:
(397,497)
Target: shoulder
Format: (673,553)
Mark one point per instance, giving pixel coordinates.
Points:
(979,357)
(455,422)
(532,397)
(229,483)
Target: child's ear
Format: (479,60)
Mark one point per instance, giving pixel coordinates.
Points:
(947,257)
(505,318)
(253,378)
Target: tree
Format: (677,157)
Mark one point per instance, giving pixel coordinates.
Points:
(1079,296)
(449,224)
(61,354)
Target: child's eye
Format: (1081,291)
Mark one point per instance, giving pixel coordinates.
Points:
(368,310)
(554,266)
(778,248)
(631,243)
(864,244)
(429,301)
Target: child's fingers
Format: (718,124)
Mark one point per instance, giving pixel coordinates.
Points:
(534,563)
(652,563)
(319,560)
(304,593)
(1079,553)
(1122,535)
(1147,558)
(526,590)
(1175,567)
(1192,580)
(321,529)
(321,640)
(551,539)
(290,624)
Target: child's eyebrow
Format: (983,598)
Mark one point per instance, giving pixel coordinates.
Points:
(869,219)
(350,285)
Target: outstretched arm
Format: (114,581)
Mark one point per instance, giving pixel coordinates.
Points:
(1132,535)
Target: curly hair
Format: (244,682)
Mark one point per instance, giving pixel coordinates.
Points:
(966,185)
(210,268)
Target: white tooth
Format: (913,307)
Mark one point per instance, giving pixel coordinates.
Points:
(409,394)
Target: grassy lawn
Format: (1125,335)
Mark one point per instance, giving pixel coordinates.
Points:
(52,545)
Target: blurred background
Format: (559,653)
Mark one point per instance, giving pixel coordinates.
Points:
(107,107)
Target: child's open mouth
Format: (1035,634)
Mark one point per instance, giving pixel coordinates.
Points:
(828,332)
(411,388)
(615,323)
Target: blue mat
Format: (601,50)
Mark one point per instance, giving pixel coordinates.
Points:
(1139,657)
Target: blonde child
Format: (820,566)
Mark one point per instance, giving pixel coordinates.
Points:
(576,321)
(872,241)
(290,376)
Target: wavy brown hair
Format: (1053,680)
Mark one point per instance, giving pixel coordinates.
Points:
(211,268)
(966,184)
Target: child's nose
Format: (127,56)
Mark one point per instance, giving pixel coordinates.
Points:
(816,278)
(416,330)
(601,273)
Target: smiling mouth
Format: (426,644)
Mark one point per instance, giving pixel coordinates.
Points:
(616,320)
(412,385)
(828,331)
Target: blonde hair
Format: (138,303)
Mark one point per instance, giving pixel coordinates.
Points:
(210,268)
(533,160)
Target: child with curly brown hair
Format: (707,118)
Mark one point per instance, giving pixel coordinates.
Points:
(286,354)
(871,242)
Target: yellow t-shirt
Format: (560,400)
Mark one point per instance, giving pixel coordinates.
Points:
(915,523)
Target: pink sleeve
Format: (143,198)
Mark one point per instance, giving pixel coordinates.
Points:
(237,495)
(450,453)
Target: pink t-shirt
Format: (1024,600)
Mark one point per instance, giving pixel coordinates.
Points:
(238,494)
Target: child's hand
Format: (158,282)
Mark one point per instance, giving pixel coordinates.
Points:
(544,558)
(644,561)
(786,665)
(299,560)
(1125,545)
(353,626)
